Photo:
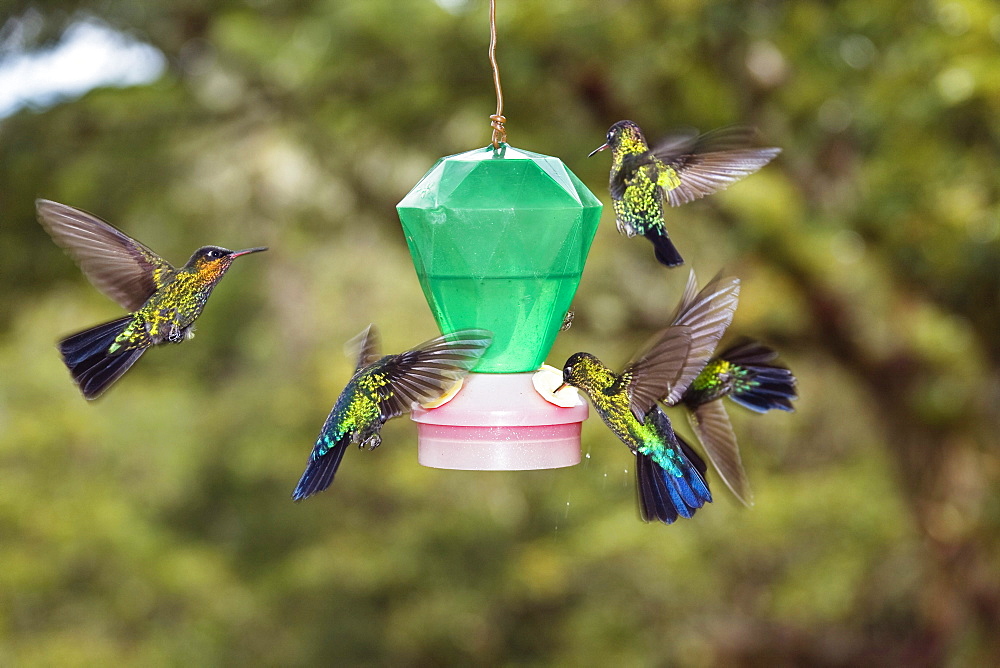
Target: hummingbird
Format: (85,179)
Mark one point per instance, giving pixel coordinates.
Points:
(685,167)
(383,388)
(669,474)
(746,373)
(163,302)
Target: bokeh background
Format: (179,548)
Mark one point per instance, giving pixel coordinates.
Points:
(154,527)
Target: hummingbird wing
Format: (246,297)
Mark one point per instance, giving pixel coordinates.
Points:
(657,370)
(711,422)
(119,266)
(364,347)
(427,371)
(708,313)
(708,163)
(676,355)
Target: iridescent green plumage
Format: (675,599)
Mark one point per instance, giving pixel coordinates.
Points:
(383,388)
(747,374)
(611,400)
(164,301)
(684,168)
(669,474)
(716,380)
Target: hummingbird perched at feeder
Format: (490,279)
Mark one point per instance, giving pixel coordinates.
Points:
(746,373)
(685,167)
(163,301)
(669,474)
(383,388)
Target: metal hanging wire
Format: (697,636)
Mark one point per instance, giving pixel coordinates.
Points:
(497,120)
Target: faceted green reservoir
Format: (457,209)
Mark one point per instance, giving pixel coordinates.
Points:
(499,239)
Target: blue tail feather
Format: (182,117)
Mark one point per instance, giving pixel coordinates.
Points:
(683,498)
(664,249)
(766,386)
(692,456)
(767,396)
(652,488)
(86,355)
(321,469)
(664,496)
(654,503)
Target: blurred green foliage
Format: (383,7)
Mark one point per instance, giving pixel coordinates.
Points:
(155,527)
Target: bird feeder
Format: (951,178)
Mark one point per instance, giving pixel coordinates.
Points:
(499,237)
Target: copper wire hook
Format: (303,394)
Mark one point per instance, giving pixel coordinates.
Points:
(497,120)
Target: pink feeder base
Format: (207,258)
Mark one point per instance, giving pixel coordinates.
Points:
(498,422)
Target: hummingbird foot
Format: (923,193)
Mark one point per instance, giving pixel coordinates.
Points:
(177,334)
(372,442)
(625,228)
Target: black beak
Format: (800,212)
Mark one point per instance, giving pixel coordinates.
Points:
(565,384)
(597,150)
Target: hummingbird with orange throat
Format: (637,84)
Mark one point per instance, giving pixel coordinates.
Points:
(163,301)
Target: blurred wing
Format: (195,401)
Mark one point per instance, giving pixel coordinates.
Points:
(687,297)
(657,370)
(680,141)
(426,372)
(119,266)
(364,347)
(706,314)
(711,162)
(674,357)
(715,432)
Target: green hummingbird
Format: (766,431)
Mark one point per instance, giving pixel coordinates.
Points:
(163,302)
(685,167)
(746,373)
(669,474)
(382,388)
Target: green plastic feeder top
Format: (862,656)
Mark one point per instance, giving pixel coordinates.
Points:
(499,239)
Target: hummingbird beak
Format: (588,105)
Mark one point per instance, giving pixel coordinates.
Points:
(248,251)
(565,384)
(597,150)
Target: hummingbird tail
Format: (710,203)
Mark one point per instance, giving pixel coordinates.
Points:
(320,470)
(766,386)
(666,252)
(664,496)
(86,355)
